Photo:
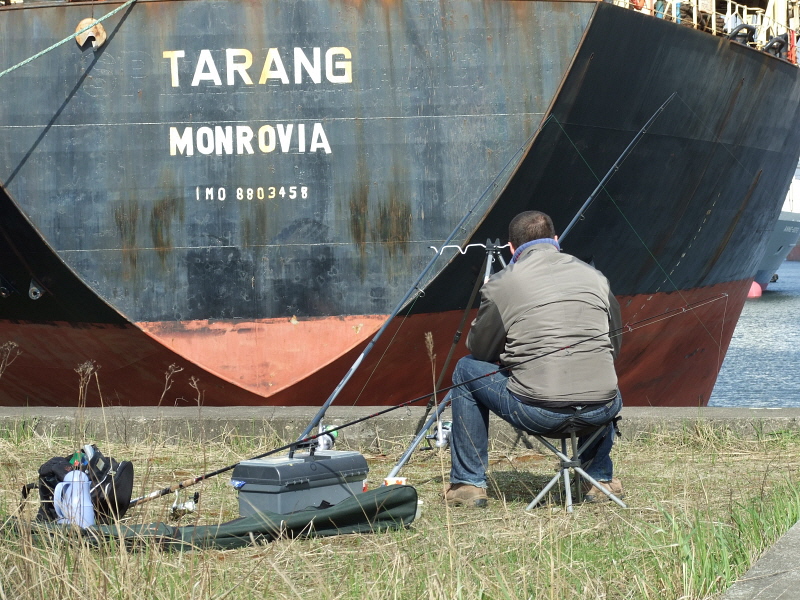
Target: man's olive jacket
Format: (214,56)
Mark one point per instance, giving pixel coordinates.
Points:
(543,302)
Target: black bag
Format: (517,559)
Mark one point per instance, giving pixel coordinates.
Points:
(51,474)
(111,484)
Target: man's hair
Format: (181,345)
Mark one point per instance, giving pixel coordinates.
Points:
(528,226)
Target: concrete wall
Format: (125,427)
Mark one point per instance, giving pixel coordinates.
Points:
(282,425)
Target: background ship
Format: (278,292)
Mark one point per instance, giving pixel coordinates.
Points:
(782,240)
(220,202)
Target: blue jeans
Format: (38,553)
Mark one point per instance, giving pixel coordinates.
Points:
(471,403)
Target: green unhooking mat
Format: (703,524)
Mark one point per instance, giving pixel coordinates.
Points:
(381,509)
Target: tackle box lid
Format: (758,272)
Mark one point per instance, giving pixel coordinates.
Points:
(301,468)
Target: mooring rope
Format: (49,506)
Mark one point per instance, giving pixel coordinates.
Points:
(67,39)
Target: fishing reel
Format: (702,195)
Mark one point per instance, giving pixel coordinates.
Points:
(324,440)
(181,509)
(440,432)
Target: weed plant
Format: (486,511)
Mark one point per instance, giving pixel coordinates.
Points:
(703,505)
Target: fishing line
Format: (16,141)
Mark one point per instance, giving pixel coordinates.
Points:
(417,287)
(720,357)
(306,439)
(614,333)
(491,255)
(717,342)
(717,143)
(711,131)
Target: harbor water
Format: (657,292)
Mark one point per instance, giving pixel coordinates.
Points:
(761,367)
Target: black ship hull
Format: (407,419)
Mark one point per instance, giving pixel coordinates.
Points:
(246,190)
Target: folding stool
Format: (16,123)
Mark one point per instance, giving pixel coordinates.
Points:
(571,430)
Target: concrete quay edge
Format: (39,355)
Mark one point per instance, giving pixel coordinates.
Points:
(284,424)
(776,575)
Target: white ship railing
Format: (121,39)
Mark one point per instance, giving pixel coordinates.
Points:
(700,14)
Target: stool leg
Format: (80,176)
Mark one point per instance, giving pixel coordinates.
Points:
(543,493)
(576,464)
(567,485)
(596,484)
(576,456)
(562,457)
(553,449)
(568,491)
(593,437)
(573,463)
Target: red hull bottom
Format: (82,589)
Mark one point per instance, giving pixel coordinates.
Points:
(671,360)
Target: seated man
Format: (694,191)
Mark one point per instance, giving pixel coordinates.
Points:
(548,318)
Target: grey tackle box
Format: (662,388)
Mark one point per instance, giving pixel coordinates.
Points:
(284,485)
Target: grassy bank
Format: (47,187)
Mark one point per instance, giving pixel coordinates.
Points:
(703,505)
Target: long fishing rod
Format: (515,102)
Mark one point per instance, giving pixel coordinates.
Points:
(306,436)
(615,167)
(304,442)
(611,172)
(412,290)
(492,253)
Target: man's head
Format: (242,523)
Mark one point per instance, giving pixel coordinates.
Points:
(528,226)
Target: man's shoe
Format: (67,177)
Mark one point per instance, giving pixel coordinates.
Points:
(462,494)
(592,494)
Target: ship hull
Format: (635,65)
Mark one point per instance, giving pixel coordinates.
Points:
(173,235)
(782,241)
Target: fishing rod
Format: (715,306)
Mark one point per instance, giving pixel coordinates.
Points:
(412,290)
(494,248)
(492,254)
(306,437)
(306,441)
(615,167)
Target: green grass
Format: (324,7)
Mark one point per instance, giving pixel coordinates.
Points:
(703,505)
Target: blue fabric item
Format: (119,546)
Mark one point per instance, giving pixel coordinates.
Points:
(471,403)
(522,248)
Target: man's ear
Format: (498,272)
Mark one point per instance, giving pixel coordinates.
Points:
(510,245)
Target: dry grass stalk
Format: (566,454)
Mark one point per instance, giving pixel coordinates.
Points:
(687,534)
(8,354)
